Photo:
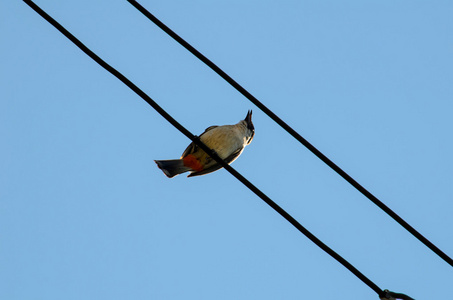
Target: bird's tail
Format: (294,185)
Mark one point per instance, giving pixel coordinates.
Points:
(172,167)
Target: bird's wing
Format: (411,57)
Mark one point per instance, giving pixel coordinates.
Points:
(217,166)
(192,146)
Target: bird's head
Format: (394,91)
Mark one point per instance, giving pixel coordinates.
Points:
(250,127)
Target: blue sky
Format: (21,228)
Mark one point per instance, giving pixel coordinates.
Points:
(86,214)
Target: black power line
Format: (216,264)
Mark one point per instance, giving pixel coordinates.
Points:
(292,132)
(392,295)
(211,153)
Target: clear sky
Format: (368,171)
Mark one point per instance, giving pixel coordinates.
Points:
(86,214)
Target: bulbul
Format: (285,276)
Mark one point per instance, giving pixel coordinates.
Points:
(228,141)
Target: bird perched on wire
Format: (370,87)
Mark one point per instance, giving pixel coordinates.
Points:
(228,141)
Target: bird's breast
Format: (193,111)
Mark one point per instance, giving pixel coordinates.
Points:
(223,139)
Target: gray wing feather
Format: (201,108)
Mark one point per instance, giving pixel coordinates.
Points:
(192,146)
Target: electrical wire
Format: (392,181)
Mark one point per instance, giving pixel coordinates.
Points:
(211,153)
(389,295)
(293,133)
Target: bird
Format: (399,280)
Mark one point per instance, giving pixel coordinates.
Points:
(228,141)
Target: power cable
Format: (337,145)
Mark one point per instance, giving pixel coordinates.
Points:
(292,132)
(392,296)
(196,140)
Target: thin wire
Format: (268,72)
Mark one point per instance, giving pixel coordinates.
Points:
(292,132)
(211,153)
(393,295)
